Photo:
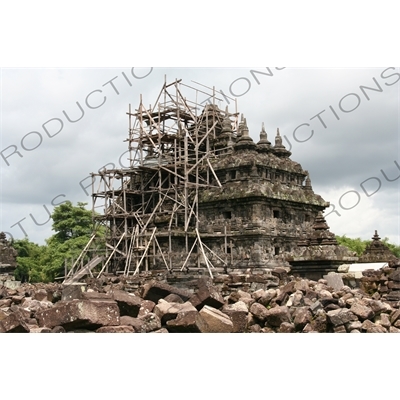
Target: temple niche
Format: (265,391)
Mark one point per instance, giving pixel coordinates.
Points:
(8,255)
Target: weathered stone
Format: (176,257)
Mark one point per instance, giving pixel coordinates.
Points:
(285,291)
(2,315)
(393,296)
(207,294)
(379,306)
(302,317)
(167,311)
(324,294)
(316,306)
(72,292)
(319,322)
(341,316)
(339,329)
(13,323)
(383,320)
(238,314)
(395,276)
(146,307)
(135,323)
(12,284)
(116,329)
(58,329)
(128,304)
(151,323)
(370,327)
(392,329)
(211,320)
(354,325)
(362,311)
(394,316)
(184,323)
(335,281)
(286,327)
(96,296)
(157,290)
(173,298)
(258,294)
(40,295)
(259,311)
(162,330)
(266,299)
(5,303)
(78,314)
(17,299)
(35,306)
(302,285)
(277,315)
(255,328)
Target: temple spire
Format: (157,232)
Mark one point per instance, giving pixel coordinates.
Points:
(279,148)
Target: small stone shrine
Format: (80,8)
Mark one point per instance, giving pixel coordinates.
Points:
(8,256)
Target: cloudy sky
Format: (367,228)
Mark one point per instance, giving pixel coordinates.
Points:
(342,125)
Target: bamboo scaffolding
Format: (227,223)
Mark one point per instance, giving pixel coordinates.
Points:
(155,204)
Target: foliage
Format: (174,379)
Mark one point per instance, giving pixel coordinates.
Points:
(357,245)
(70,222)
(29,260)
(73,227)
(395,249)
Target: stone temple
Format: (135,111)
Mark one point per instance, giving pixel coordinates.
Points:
(200,193)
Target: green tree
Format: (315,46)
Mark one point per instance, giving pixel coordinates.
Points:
(70,222)
(73,226)
(30,261)
(395,249)
(357,245)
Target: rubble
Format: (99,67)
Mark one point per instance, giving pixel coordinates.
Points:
(295,305)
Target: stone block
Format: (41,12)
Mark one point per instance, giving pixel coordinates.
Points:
(151,323)
(335,281)
(301,285)
(238,313)
(128,304)
(211,320)
(13,323)
(12,284)
(77,314)
(362,311)
(135,323)
(258,311)
(167,311)
(395,276)
(207,294)
(286,327)
(72,292)
(155,291)
(146,307)
(184,323)
(341,316)
(302,317)
(277,315)
(40,295)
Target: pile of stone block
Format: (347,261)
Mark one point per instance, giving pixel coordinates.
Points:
(284,305)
